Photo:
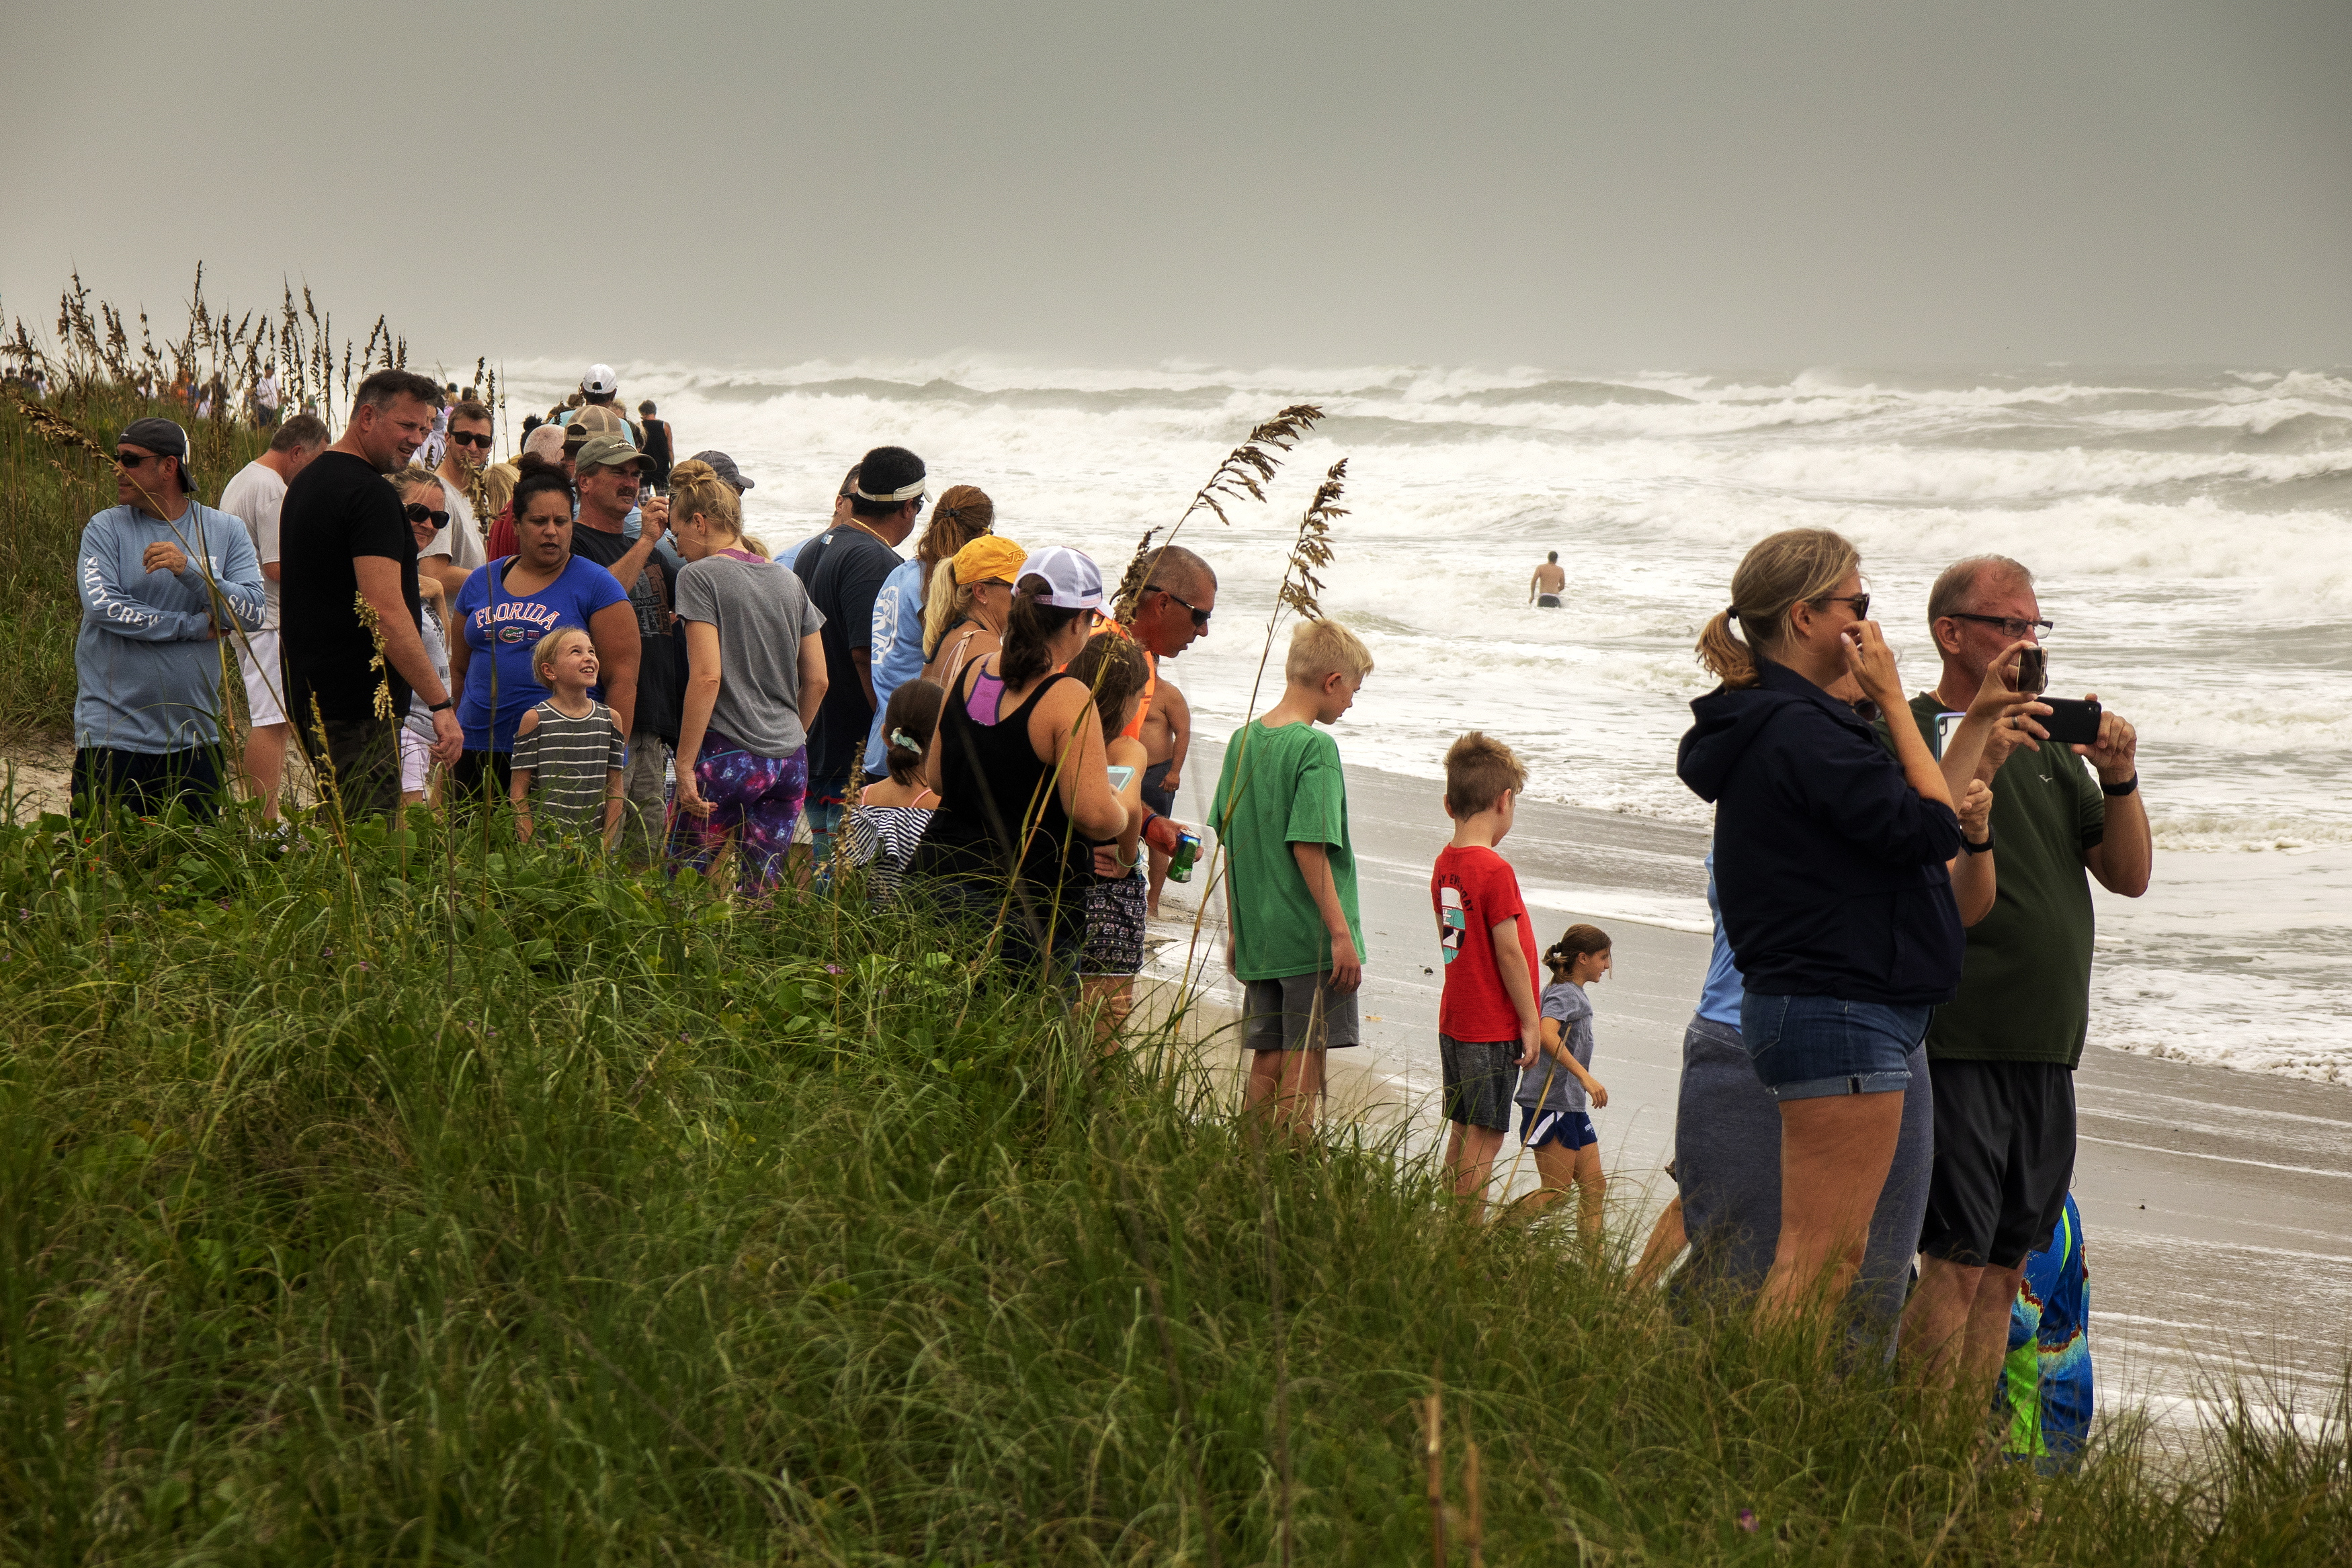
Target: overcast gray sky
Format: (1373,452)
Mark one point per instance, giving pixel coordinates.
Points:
(1652,183)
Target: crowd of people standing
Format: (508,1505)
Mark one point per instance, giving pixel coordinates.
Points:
(1880,1065)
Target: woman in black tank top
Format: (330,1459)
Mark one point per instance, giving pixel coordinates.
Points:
(1019,765)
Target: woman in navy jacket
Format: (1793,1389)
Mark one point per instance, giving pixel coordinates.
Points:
(1830,861)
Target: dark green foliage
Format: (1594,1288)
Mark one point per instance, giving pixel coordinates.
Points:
(633,1225)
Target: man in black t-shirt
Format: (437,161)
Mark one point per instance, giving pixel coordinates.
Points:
(342,539)
(844,569)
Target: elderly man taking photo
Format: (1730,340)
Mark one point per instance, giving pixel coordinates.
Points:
(645,694)
(2002,1056)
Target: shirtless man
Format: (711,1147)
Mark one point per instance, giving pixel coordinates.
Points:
(1167,737)
(1545,587)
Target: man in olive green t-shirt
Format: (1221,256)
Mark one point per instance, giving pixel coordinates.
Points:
(2001,1055)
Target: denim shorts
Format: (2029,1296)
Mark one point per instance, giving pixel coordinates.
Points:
(1803,1048)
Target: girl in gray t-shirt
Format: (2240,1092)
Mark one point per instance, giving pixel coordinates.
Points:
(1554,1094)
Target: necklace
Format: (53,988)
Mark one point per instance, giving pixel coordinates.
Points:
(886,544)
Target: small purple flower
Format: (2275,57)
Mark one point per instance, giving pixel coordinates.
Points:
(1747,1519)
(328,953)
(24,914)
(833,968)
(364,963)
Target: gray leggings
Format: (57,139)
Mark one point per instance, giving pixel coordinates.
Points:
(1727,1162)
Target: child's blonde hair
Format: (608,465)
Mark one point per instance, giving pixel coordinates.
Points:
(1320,648)
(544,655)
(1477,771)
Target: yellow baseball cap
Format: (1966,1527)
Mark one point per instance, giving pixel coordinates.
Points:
(988,556)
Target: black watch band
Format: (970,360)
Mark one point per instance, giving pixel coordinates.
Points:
(2126,788)
(444,706)
(1978,849)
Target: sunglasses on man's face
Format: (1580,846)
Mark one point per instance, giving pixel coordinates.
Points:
(418,511)
(468,438)
(137,459)
(1199,617)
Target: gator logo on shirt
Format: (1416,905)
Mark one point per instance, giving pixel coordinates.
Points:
(1452,921)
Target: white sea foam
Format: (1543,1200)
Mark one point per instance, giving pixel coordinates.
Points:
(2189,530)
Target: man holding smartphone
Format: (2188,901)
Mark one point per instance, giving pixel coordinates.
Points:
(2002,1056)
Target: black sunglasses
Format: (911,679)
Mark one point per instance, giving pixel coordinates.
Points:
(1860,602)
(468,438)
(1199,617)
(418,511)
(134,460)
(2011,627)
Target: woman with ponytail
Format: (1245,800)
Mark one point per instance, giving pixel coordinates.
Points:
(1830,865)
(963,514)
(755,678)
(1019,764)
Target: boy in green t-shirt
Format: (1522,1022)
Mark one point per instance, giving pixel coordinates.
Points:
(1292,939)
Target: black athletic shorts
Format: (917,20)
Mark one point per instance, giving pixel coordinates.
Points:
(1156,793)
(2004,1159)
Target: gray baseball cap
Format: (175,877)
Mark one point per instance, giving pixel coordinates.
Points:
(724,467)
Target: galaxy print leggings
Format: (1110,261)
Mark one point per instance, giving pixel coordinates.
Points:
(753,799)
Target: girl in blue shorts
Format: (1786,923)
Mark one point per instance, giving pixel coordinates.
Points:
(1556,1093)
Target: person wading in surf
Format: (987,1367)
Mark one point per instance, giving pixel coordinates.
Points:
(1549,581)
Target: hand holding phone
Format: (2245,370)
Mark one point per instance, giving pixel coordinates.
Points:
(2071,723)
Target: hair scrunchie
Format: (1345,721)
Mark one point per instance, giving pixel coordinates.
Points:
(1731,612)
(899,737)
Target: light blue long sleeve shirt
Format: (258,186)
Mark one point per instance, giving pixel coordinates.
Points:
(147,666)
(897,649)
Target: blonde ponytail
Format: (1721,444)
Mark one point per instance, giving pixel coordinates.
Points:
(943,602)
(1796,566)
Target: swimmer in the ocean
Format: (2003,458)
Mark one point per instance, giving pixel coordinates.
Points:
(1544,587)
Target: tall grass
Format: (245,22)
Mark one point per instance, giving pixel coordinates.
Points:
(403,1199)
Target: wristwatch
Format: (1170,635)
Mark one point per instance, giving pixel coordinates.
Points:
(444,706)
(2113,791)
(1978,849)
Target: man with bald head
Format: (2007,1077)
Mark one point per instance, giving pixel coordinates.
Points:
(1170,610)
(2001,1055)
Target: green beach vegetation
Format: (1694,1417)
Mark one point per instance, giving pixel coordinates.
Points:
(412,1195)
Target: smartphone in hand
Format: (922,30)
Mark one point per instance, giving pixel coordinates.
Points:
(2069,722)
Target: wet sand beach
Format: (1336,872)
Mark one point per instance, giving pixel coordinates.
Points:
(2217,1205)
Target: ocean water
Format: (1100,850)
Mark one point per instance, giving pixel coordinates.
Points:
(2192,531)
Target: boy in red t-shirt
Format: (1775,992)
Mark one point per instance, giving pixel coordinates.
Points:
(1487,1024)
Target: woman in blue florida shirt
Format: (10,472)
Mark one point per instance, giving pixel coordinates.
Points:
(508,605)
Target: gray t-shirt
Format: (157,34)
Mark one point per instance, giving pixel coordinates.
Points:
(762,611)
(1549,1083)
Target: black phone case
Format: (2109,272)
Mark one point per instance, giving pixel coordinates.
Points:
(2071,723)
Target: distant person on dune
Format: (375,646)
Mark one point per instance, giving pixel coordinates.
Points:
(1549,581)
(657,446)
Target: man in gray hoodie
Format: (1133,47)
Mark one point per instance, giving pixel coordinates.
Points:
(164,579)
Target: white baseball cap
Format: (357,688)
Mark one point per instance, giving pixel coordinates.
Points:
(600,381)
(1075,579)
